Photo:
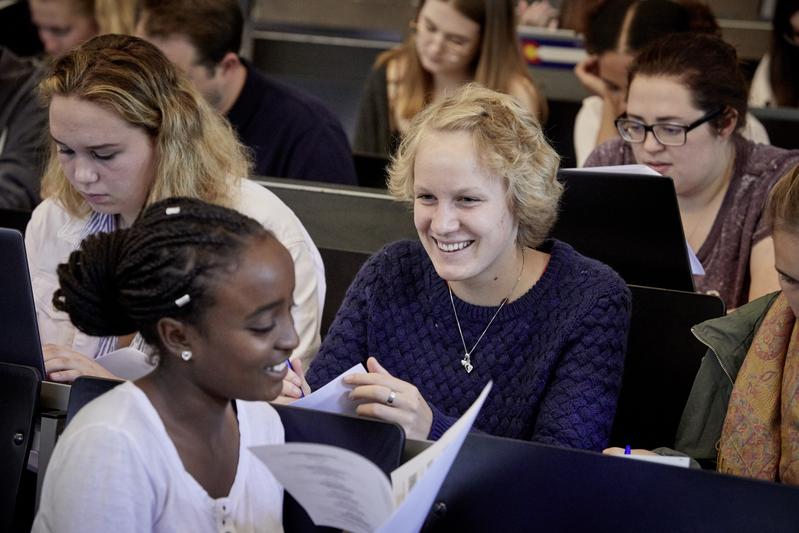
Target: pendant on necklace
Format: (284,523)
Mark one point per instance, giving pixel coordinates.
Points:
(467,363)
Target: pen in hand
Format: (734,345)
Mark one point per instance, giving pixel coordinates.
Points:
(288,362)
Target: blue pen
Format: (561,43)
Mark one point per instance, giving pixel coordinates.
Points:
(627,450)
(302,394)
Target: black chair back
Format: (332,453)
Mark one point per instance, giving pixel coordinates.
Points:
(370,169)
(341,267)
(14,219)
(662,359)
(500,484)
(629,222)
(85,389)
(19,397)
(781,124)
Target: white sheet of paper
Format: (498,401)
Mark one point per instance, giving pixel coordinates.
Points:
(417,482)
(684,462)
(620,169)
(333,397)
(336,487)
(696,265)
(341,489)
(126,363)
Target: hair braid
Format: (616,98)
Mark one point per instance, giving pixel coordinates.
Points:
(125,281)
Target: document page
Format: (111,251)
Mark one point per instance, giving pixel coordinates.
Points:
(341,489)
(126,363)
(333,397)
(336,487)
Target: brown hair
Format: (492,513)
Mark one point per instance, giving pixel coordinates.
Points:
(706,65)
(497,63)
(511,145)
(213,27)
(197,152)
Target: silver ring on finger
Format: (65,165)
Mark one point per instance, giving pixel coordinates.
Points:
(392,396)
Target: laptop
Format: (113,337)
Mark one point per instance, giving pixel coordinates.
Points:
(19,331)
(629,222)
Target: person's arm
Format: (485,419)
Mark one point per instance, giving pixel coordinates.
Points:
(580,403)
(373,126)
(309,290)
(529,96)
(345,344)
(23,154)
(322,153)
(762,271)
(613,97)
(96,481)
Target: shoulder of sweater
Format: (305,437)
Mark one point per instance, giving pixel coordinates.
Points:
(612,152)
(586,274)
(765,159)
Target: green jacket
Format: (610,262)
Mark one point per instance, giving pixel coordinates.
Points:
(728,339)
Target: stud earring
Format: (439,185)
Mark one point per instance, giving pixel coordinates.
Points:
(185,355)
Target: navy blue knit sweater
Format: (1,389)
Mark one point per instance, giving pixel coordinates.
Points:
(556,354)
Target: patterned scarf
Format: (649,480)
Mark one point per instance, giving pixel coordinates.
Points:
(760,437)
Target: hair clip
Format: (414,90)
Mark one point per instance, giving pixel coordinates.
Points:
(174,210)
(183,300)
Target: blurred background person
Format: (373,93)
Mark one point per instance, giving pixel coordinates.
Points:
(776,80)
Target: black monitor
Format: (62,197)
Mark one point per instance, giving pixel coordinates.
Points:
(629,222)
(19,331)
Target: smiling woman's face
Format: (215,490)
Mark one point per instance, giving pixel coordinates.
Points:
(108,161)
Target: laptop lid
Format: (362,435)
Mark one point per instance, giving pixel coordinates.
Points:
(629,222)
(19,331)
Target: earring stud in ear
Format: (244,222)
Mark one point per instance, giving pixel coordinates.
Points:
(185,355)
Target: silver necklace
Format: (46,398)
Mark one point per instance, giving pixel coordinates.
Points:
(466,362)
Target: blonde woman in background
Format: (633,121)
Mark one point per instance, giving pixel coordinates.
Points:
(452,42)
(128,130)
(64,24)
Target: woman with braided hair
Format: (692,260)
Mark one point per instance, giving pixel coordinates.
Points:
(127,130)
(211,291)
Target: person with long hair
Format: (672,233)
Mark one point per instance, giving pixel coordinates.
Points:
(776,80)
(483,294)
(64,24)
(128,130)
(686,108)
(742,417)
(451,43)
(210,290)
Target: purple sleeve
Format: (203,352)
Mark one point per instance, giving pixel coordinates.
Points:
(345,344)
(580,403)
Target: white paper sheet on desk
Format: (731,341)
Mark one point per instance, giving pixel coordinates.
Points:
(619,169)
(696,265)
(684,462)
(342,489)
(126,363)
(333,397)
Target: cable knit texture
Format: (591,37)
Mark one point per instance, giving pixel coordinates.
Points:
(556,354)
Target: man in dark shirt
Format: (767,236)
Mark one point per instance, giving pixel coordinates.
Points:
(23,132)
(291,134)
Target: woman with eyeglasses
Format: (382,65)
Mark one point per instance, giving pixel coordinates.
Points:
(776,81)
(686,106)
(451,43)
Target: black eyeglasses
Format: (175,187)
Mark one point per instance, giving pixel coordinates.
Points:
(666,133)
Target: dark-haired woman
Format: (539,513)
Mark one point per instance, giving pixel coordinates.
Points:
(617,30)
(685,110)
(127,130)
(211,291)
(776,80)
